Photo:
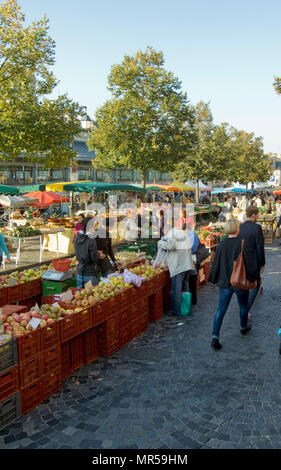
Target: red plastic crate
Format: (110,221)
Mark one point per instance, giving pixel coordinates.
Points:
(9,383)
(100,312)
(65,360)
(50,335)
(90,343)
(108,337)
(125,299)
(84,320)
(139,292)
(3,296)
(29,345)
(32,370)
(113,305)
(68,327)
(125,336)
(15,294)
(31,396)
(51,383)
(52,359)
(32,288)
(76,352)
(125,318)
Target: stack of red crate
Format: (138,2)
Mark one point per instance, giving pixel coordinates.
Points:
(9,383)
(39,365)
(108,336)
(155,305)
(139,317)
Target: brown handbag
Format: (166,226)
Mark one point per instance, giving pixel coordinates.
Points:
(238,277)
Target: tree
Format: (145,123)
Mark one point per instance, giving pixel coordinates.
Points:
(31,125)
(249,163)
(208,159)
(277,85)
(148,123)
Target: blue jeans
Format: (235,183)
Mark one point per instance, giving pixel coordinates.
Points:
(180,283)
(82,280)
(253,293)
(224,301)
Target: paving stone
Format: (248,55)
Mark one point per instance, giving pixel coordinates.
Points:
(168,389)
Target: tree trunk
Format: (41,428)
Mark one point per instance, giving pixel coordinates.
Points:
(197,192)
(144,179)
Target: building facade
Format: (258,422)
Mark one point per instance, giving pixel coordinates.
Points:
(20,172)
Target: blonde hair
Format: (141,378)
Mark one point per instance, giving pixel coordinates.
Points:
(231,226)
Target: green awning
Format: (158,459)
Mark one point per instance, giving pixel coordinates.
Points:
(31,188)
(96,187)
(8,189)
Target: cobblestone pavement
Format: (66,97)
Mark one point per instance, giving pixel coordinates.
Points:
(168,389)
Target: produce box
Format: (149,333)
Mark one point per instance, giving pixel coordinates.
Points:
(8,355)
(3,296)
(90,344)
(84,320)
(51,359)
(51,383)
(10,409)
(31,396)
(68,327)
(65,360)
(50,336)
(32,288)
(76,352)
(31,370)
(57,287)
(9,383)
(29,345)
(15,294)
(155,303)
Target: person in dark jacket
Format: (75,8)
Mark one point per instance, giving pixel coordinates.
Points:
(254,254)
(87,254)
(104,246)
(226,253)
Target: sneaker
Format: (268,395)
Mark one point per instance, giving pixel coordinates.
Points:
(215,344)
(245,330)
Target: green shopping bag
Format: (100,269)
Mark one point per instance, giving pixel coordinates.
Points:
(186,305)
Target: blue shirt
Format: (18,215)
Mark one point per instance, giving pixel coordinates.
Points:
(3,246)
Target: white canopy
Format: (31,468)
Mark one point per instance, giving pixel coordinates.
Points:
(16,201)
(202,186)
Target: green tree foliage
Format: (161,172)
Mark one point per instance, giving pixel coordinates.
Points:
(148,123)
(32,125)
(208,159)
(249,163)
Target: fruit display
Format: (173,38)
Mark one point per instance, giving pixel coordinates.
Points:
(17,325)
(92,295)
(147,271)
(21,277)
(24,231)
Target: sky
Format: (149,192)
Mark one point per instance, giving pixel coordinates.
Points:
(224,52)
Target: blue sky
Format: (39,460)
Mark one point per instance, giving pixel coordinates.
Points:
(222,51)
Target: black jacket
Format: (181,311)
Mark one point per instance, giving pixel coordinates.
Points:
(254,255)
(226,253)
(87,255)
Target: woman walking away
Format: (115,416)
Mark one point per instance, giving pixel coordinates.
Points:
(226,253)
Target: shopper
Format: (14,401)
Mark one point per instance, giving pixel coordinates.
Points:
(86,253)
(3,249)
(185,220)
(78,226)
(254,253)
(104,246)
(226,253)
(161,223)
(180,264)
